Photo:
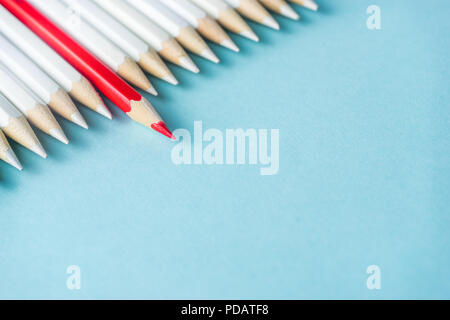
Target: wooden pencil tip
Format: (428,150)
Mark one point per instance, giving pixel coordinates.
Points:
(104,111)
(288,12)
(152,91)
(210,55)
(171,79)
(39,150)
(187,63)
(11,158)
(310,4)
(270,22)
(250,35)
(78,119)
(228,43)
(59,135)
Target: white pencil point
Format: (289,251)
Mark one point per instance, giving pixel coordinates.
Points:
(287,11)
(58,134)
(104,111)
(11,158)
(230,45)
(171,79)
(188,64)
(79,120)
(269,21)
(152,91)
(38,149)
(208,54)
(309,4)
(250,35)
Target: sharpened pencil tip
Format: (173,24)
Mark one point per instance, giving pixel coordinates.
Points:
(104,111)
(188,64)
(38,149)
(228,43)
(162,128)
(250,35)
(309,4)
(58,134)
(288,12)
(152,91)
(171,79)
(11,158)
(208,54)
(270,22)
(78,119)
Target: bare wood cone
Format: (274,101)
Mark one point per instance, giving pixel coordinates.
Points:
(43,118)
(84,92)
(20,131)
(210,29)
(130,71)
(153,64)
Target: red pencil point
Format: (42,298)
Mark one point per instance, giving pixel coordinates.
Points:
(162,128)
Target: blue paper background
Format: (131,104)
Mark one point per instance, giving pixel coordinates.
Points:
(364,175)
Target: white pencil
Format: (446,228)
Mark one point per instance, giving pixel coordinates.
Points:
(94,41)
(15,126)
(309,4)
(204,24)
(61,71)
(30,105)
(7,153)
(135,47)
(176,26)
(154,35)
(255,11)
(281,7)
(39,82)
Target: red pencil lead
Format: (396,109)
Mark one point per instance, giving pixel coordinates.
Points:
(162,128)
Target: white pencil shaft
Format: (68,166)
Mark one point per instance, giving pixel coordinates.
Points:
(7,112)
(36,49)
(161,15)
(187,10)
(36,79)
(84,33)
(15,92)
(212,7)
(136,22)
(110,27)
(23,85)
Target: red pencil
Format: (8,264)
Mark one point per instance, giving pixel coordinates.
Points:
(111,85)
